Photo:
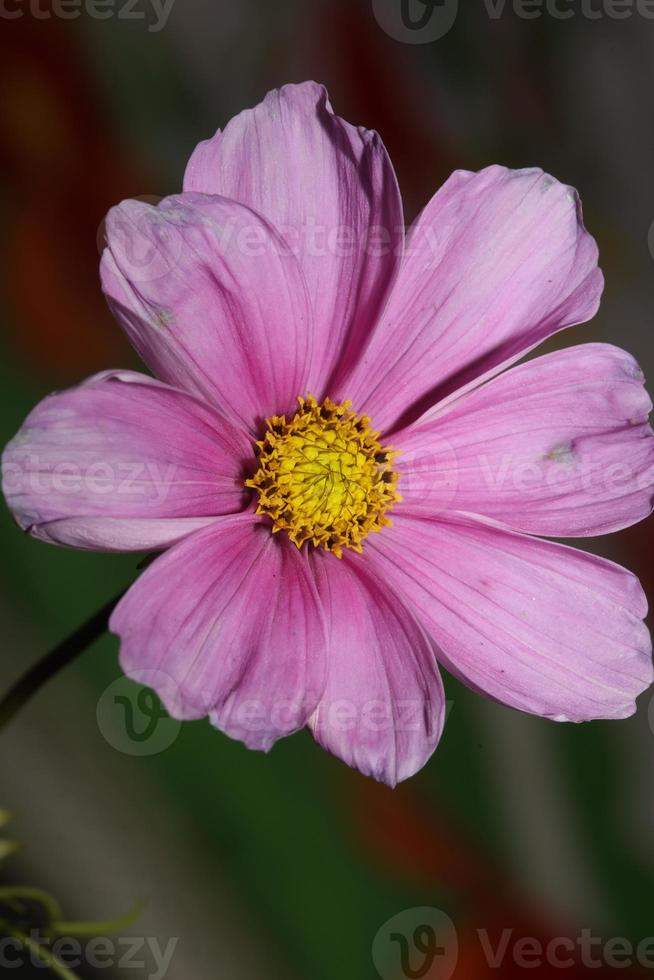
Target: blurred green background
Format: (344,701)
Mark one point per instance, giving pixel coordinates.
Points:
(286,866)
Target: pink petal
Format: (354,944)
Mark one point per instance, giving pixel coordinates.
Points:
(533,624)
(228,624)
(383,707)
(212,301)
(497,262)
(123,463)
(559,446)
(330,188)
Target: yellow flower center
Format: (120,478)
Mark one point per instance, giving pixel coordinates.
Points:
(323,476)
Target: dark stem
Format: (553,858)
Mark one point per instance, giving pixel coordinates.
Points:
(53,662)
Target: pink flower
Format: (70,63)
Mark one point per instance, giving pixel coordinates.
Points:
(282,273)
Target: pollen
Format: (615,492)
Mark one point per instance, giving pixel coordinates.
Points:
(324,477)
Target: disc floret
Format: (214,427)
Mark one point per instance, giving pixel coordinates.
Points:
(324,477)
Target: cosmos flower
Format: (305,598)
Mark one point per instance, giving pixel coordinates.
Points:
(350,481)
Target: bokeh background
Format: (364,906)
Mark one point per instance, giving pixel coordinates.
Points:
(286,866)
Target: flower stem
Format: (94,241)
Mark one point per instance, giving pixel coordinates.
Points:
(9,894)
(53,662)
(109,926)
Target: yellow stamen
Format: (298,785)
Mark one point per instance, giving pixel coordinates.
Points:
(323,476)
